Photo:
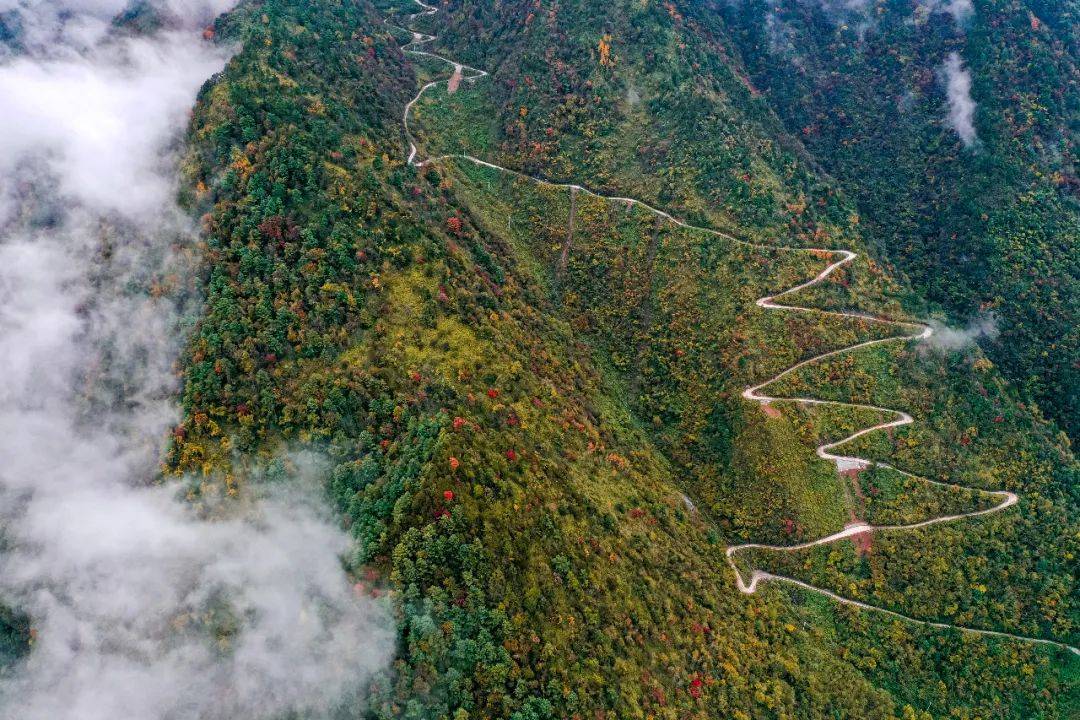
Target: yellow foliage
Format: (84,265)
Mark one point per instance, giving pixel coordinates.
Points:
(604,46)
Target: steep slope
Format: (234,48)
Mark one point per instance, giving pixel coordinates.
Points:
(953,126)
(529,395)
(1002,499)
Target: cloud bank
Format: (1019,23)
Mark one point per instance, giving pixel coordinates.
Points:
(68,27)
(961,117)
(139,609)
(97,124)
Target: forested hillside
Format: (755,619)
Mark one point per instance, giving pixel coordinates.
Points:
(984,222)
(983,217)
(530,395)
(526,359)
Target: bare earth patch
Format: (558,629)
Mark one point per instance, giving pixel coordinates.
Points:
(455,80)
(770,410)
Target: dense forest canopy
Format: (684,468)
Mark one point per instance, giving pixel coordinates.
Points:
(516,361)
(954,128)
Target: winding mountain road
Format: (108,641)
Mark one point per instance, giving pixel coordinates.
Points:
(919,331)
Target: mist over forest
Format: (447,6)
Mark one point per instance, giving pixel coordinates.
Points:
(135,605)
(539,359)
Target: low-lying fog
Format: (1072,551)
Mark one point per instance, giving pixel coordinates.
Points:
(138,609)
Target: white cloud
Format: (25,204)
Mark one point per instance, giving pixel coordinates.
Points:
(121,582)
(100,121)
(64,27)
(961,10)
(947,338)
(116,574)
(961,116)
